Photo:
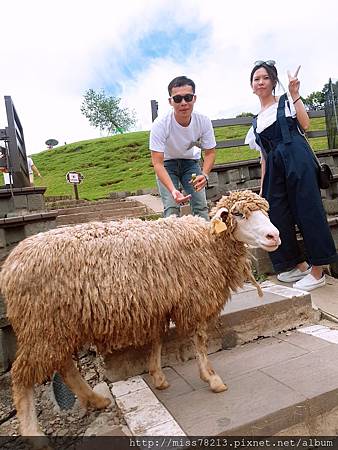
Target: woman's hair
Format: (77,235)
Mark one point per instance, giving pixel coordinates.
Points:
(272,72)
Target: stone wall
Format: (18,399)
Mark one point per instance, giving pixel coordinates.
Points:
(246,175)
(22,214)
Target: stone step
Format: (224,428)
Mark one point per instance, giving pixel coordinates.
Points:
(245,318)
(102,215)
(281,386)
(72,203)
(100,206)
(59,204)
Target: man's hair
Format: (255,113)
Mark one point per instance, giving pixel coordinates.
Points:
(181,81)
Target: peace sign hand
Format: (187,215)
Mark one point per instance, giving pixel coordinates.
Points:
(294,84)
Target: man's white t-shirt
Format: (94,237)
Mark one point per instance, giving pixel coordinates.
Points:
(30,164)
(177,142)
(30,171)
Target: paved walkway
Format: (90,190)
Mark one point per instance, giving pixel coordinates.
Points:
(281,385)
(274,384)
(153,202)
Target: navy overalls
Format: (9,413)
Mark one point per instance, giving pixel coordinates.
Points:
(291,188)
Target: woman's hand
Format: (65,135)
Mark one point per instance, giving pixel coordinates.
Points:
(294,84)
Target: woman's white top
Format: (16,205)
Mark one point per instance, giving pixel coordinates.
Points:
(267,118)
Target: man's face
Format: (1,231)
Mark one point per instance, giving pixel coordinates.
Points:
(184,108)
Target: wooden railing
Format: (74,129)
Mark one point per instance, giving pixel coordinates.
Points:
(247,121)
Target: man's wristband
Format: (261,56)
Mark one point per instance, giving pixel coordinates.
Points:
(295,101)
(206,177)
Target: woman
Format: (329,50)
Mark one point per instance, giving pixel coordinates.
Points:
(289,180)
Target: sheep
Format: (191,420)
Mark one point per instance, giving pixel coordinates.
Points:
(118,284)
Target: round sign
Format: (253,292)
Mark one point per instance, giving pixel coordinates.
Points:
(51,142)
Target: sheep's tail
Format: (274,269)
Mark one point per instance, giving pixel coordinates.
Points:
(257,286)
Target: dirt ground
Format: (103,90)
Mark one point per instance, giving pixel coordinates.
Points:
(53,421)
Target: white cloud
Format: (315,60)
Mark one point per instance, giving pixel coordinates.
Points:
(52,53)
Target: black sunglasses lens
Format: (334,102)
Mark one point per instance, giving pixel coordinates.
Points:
(187,98)
(177,98)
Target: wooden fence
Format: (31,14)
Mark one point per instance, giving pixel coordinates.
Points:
(247,121)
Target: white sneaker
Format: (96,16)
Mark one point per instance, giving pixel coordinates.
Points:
(293,275)
(309,283)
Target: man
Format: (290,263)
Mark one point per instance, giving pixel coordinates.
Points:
(31,170)
(176,141)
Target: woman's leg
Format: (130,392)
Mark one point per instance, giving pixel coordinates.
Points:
(275,190)
(306,202)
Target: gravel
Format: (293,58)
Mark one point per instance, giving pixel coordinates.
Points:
(53,421)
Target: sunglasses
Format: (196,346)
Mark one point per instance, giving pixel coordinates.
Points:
(269,62)
(187,98)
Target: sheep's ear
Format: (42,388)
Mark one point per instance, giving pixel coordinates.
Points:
(218,221)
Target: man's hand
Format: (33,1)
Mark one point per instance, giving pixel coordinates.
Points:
(179,197)
(199,182)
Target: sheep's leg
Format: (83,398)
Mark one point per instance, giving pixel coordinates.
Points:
(23,397)
(81,389)
(207,373)
(155,368)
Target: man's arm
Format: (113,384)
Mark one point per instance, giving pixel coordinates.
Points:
(209,160)
(157,160)
(36,171)
(208,163)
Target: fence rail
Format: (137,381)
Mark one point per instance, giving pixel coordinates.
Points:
(247,121)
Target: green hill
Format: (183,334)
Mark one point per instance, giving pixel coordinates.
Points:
(122,162)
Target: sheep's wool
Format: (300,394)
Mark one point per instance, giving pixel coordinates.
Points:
(117,284)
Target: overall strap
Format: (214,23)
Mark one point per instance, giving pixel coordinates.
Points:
(282,119)
(258,138)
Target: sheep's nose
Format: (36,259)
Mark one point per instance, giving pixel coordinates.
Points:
(273,236)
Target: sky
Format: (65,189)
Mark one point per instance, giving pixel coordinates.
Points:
(53,52)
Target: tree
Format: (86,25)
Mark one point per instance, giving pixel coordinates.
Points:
(246,114)
(105,113)
(334,88)
(315,100)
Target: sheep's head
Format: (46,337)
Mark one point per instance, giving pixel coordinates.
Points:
(244,216)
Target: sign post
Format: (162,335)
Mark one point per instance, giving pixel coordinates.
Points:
(75,178)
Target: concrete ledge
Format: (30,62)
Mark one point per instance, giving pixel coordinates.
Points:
(243,319)
(20,220)
(7,192)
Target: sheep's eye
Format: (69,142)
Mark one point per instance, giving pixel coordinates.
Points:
(238,214)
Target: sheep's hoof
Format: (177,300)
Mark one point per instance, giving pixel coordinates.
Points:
(101,402)
(216,384)
(163,385)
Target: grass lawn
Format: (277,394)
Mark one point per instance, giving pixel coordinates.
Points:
(122,162)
